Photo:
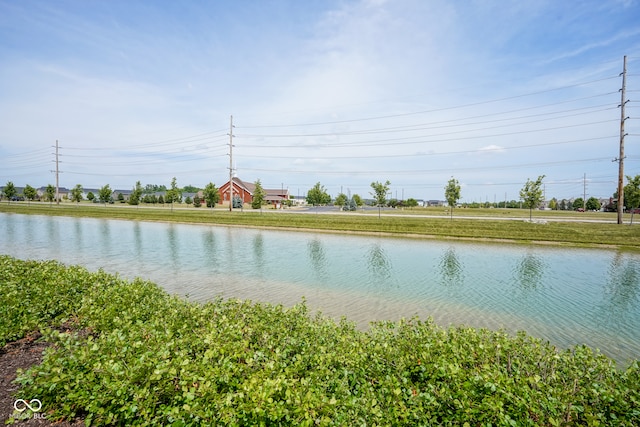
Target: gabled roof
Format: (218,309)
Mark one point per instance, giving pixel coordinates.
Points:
(271,193)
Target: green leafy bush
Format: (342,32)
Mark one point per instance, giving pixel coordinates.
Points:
(141,357)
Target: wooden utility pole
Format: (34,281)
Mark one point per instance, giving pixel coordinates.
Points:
(231,164)
(620,159)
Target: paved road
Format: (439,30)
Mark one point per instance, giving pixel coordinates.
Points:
(388,212)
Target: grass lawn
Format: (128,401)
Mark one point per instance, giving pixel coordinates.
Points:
(548,227)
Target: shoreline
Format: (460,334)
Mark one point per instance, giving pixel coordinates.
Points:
(248,222)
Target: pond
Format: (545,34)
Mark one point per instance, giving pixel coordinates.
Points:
(567,296)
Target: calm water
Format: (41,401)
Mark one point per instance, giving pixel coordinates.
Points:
(566,296)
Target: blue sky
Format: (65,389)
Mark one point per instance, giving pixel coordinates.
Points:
(338,92)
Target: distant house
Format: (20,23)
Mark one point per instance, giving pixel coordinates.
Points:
(126,194)
(245,191)
(62,192)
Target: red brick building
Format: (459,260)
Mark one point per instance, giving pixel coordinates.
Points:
(245,191)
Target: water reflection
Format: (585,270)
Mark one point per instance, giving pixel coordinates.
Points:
(318,258)
(137,240)
(258,253)
(209,245)
(53,235)
(173,246)
(78,237)
(621,291)
(529,271)
(378,264)
(451,270)
(105,237)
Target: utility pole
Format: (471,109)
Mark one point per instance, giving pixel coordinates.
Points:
(231,164)
(57,171)
(584,192)
(620,159)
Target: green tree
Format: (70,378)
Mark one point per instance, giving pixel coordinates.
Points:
(531,194)
(10,191)
(30,193)
(578,203)
(104,195)
(188,200)
(211,195)
(258,196)
(161,199)
(190,189)
(380,193)
(154,188)
(196,201)
(632,194)
(318,195)
(173,195)
(76,193)
(553,204)
(340,200)
(411,203)
(50,193)
(91,197)
(593,204)
(452,194)
(356,198)
(136,194)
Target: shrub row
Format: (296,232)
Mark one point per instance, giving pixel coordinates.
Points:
(137,356)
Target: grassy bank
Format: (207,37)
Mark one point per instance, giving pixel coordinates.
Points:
(555,232)
(128,354)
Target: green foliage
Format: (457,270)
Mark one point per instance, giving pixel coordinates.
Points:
(50,193)
(36,294)
(452,193)
(593,204)
(154,188)
(137,356)
(358,200)
(531,194)
(211,195)
(197,202)
(30,193)
(258,196)
(136,194)
(340,200)
(90,196)
(411,203)
(318,195)
(190,189)
(631,192)
(104,194)
(173,195)
(380,192)
(578,203)
(9,190)
(76,193)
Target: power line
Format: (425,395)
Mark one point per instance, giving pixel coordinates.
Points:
(473,104)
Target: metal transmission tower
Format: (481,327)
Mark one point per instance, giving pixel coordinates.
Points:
(620,159)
